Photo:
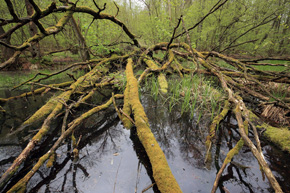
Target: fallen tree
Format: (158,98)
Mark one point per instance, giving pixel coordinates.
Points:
(239,80)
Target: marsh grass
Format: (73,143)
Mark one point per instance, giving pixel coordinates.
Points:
(200,98)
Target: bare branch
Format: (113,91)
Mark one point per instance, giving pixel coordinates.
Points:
(11,10)
(172,38)
(36,8)
(212,10)
(233,46)
(117,8)
(100,9)
(40,27)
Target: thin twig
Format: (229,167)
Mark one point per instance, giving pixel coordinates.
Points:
(145,189)
(47,86)
(127,116)
(212,10)
(117,9)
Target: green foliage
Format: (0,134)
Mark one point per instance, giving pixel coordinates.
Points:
(153,21)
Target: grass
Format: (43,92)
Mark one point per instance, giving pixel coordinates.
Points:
(224,64)
(11,79)
(271,68)
(189,94)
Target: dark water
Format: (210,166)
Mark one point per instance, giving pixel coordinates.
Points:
(112,160)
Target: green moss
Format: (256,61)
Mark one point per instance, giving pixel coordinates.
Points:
(73,139)
(234,151)
(163,83)
(279,136)
(161,171)
(127,108)
(20,186)
(50,161)
(42,112)
(215,122)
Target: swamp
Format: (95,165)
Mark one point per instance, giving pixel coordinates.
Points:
(145,96)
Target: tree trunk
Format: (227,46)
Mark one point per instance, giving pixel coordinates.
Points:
(82,42)
(35,48)
(6,52)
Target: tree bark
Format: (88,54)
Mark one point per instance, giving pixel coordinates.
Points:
(84,52)
(35,48)
(6,52)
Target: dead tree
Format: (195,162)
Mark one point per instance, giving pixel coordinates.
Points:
(233,81)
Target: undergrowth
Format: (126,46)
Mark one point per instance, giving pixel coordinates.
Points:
(189,94)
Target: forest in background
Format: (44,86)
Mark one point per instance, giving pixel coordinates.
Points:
(244,28)
(215,50)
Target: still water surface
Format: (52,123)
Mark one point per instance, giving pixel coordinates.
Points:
(112,159)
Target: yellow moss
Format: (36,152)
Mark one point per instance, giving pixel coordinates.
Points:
(20,186)
(45,127)
(74,141)
(85,98)
(76,154)
(36,91)
(170,59)
(92,111)
(161,77)
(127,108)
(215,122)
(151,64)
(279,136)
(161,171)
(163,83)
(72,126)
(234,151)
(42,112)
(50,161)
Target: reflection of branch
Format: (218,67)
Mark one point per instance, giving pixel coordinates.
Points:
(84,170)
(64,178)
(117,174)
(74,178)
(52,175)
(241,179)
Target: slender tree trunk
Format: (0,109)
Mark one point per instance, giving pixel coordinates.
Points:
(169,10)
(35,49)
(6,52)
(82,42)
(282,45)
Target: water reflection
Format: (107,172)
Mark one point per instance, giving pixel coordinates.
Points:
(112,159)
